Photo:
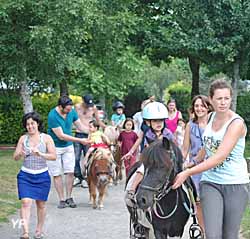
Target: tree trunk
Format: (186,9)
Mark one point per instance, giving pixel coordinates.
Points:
(64,88)
(24,90)
(235,81)
(194,65)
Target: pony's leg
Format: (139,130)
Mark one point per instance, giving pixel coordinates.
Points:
(93,194)
(89,187)
(159,235)
(102,191)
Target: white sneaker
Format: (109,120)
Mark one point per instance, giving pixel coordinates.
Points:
(76,182)
(84,184)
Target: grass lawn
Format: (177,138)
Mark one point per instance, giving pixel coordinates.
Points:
(8,190)
(246,219)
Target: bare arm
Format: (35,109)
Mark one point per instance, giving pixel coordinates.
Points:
(186,142)
(59,133)
(180,115)
(19,152)
(231,137)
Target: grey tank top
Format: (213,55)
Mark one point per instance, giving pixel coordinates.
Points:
(32,161)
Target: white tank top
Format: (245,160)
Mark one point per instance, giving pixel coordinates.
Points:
(233,170)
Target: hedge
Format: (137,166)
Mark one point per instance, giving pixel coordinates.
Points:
(181,92)
(11,110)
(243,108)
(11,113)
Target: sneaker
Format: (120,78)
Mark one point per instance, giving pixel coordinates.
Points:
(77,182)
(70,202)
(84,184)
(62,204)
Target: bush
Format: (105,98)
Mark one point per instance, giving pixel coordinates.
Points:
(11,113)
(243,109)
(181,93)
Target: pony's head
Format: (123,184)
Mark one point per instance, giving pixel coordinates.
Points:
(101,166)
(160,164)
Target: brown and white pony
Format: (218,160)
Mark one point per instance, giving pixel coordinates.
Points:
(99,175)
(113,133)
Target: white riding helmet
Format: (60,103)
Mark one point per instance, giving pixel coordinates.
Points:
(155,110)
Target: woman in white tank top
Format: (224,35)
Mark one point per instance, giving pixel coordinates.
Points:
(225,182)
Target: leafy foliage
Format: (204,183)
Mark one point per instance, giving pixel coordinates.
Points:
(12,112)
(243,108)
(181,93)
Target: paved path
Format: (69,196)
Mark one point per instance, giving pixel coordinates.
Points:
(81,222)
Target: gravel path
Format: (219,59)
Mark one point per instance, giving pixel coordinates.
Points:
(81,222)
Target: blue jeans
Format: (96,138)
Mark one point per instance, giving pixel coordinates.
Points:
(79,150)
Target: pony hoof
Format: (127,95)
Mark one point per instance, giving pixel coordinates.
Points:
(94,207)
(110,184)
(101,207)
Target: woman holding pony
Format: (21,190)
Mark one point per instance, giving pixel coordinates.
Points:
(224,187)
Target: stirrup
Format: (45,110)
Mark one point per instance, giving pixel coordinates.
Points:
(196,232)
(139,231)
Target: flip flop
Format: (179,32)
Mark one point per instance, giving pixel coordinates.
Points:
(25,236)
(39,236)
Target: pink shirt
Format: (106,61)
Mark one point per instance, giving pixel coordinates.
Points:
(172,123)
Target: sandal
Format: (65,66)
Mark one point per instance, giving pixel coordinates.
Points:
(39,236)
(25,236)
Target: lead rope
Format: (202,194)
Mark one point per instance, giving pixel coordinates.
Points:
(195,230)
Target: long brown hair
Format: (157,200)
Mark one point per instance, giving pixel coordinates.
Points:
(205,101)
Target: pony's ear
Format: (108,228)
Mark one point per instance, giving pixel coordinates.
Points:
(166,143)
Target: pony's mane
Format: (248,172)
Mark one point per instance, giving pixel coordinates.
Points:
(102,153)
(111,133)
(161,152)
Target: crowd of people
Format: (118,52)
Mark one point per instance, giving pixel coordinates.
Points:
(212,144)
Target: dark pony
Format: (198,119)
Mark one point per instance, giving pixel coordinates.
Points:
(99,175)
(170,209)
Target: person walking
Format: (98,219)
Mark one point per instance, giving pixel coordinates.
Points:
(192,144)
(60,120)
(224,186)
(33,179)
(87,111)
(126,140)
(173,116)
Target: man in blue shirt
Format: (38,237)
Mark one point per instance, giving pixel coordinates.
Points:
(60,120)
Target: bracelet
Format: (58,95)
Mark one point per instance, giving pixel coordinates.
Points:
(195,162)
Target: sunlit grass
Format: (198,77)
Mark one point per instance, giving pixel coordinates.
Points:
(8,190)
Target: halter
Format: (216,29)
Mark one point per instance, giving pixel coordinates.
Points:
(162,190)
